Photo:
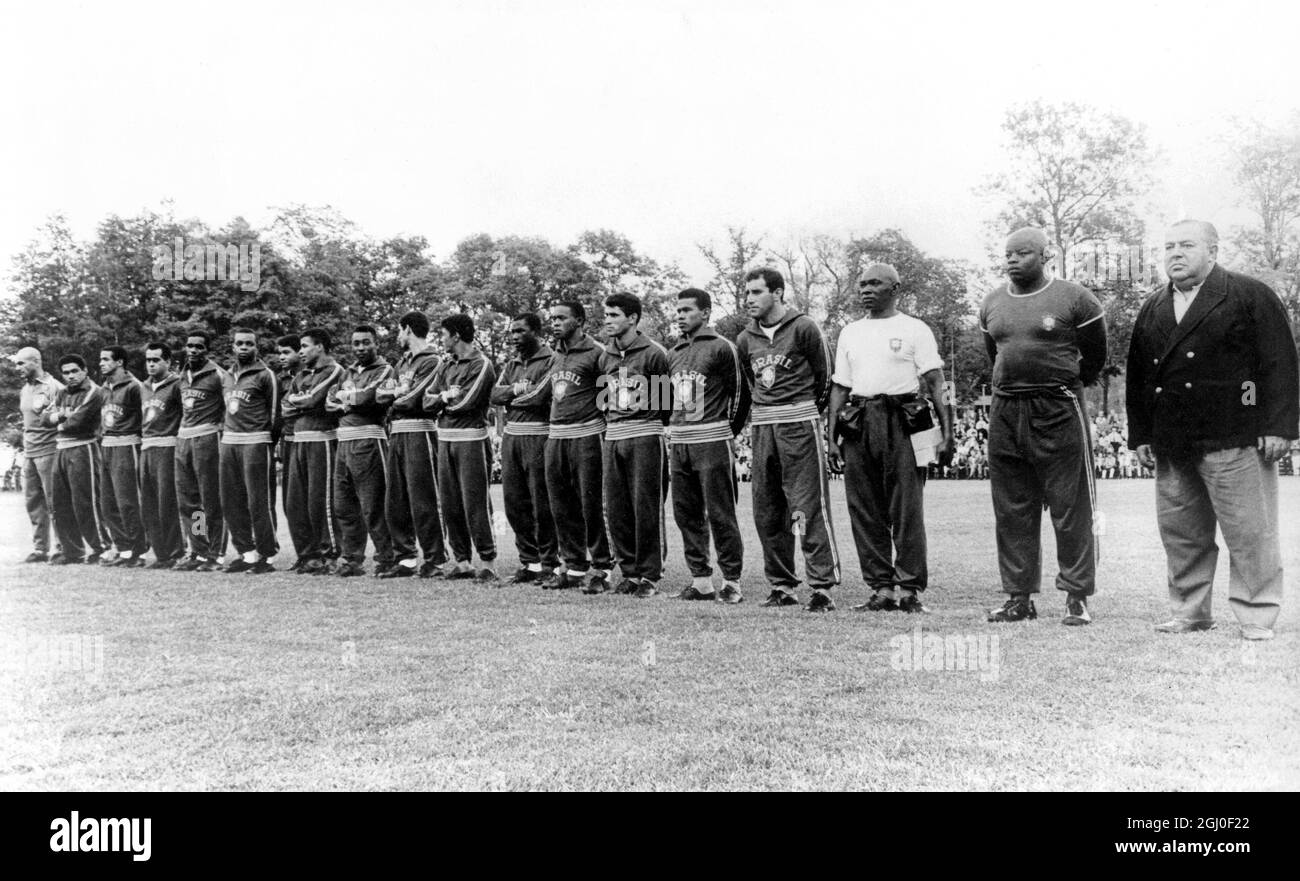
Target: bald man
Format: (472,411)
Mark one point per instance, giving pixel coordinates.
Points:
(1213,399)
(39,446)
(881,361)
(1047,339)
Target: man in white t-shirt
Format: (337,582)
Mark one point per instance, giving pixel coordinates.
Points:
(879,363)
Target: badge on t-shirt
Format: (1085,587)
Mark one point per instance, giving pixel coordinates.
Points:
(1049,322)
(767,377)
(896,344)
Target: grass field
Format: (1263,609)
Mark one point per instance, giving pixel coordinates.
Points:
(286,682)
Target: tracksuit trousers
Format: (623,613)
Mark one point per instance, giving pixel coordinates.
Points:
(884,491)
(248,497)
(791,496)
(412,504)
(198,494)
(573,482)
(158,511)
(528,505)
(119,476)
(309,499)
(76,502)
(1040,452)
(636,487)
(360,487)
(464,472)
(38,490)
(704,486)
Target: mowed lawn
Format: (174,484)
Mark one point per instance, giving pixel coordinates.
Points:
(290,682)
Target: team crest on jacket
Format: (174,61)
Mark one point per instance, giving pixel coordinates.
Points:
(896,345)
(1049,322)
(232,406)
(686,390)
(109,420)
(39,400)
(767,376)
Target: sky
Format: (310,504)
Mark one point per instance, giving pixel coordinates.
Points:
(667,121)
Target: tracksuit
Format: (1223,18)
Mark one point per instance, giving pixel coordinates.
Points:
(710,406)
(1040,442)
(247,469)
(158,511)
(464,452)
(573,454)
(523,460)
(198,459)
(309,472)
(39,439)
(119,466)
(789,377)
(76,477)
(412,504)
(361,464)
(634,456)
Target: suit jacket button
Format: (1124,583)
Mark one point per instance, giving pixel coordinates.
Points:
(1187,385)
(1155,360)
(1191,354)
(1158,390)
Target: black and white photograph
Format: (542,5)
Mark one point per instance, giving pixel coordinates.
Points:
(650,396)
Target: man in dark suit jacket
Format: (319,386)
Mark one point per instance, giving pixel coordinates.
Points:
(1213,403)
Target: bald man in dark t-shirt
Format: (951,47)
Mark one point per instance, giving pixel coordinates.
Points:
(1047,340)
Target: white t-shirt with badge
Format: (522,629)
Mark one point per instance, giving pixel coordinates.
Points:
(885,356)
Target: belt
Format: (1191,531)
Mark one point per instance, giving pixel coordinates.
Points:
(120,440)
(886,399)
(150,443)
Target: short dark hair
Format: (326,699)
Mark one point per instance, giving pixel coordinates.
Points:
(289,341)
(575,309)
(529,318)
(701,298)
(238,330)
(72,359)
(117,353)
(319,335)
(366,328)
(201,334)
(162,348)
(773,279)
(416,322)
(461,325)
(628,304)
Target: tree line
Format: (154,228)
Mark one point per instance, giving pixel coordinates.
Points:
(1079,173)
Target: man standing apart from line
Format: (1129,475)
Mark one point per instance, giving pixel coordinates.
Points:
(39,447)
(638,402)
(880,361)
(309,475)
(198,456)
(247,469)
(412,504)
(787,366)
(360,478)
(287,365)
(573,452)
(1213,399)
(120,458)
(525,393)
(1047,340)
(460,395)
(710,406)
(160,421)
(76,478)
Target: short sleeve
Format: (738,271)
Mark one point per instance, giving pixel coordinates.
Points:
(1087,308)
(927,350)
(842,375)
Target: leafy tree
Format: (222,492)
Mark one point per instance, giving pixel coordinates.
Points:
(1074,171)
(1267,170)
